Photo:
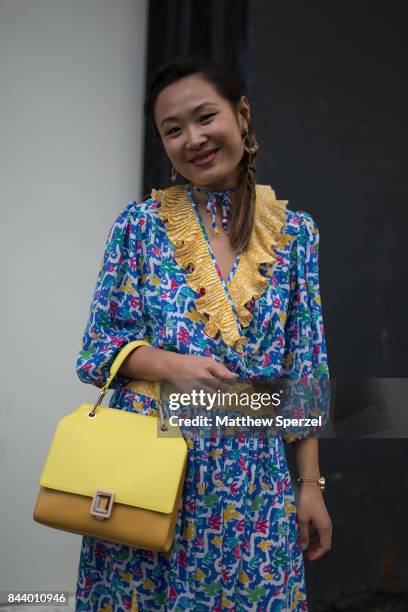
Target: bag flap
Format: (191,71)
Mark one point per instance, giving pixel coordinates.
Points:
(116,451)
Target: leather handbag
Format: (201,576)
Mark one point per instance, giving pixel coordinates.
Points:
(114,474)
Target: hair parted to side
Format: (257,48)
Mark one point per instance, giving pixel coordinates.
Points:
(230,88)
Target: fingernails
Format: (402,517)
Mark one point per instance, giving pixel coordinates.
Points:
(303,545)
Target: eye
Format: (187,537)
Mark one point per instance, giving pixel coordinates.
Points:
(171,132)
(207,117)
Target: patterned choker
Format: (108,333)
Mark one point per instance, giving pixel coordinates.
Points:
(211,207)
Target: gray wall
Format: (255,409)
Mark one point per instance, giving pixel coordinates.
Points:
(72,77)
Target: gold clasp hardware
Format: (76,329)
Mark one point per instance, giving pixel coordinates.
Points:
(102,504)
(100,398)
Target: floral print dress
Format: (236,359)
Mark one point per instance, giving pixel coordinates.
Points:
(236,543)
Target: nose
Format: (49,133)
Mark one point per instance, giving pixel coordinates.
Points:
(195,137)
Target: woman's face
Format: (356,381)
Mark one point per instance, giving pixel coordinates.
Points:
(201,132)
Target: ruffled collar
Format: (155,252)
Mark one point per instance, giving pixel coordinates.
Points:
(192,253)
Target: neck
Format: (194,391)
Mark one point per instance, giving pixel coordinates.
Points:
(201,197)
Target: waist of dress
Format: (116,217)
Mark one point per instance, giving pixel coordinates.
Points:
(243,393)
(144,387)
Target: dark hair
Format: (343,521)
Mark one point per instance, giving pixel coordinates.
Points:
(230,88)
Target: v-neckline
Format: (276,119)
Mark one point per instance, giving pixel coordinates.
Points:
(226,282)
(223,303)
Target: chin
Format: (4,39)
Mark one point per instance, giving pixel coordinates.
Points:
(210,177)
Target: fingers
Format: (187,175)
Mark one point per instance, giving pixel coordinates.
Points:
(210,384)
(323,543)
(319,543)
(316,553)
(206,373)
(222,375)
(304,535)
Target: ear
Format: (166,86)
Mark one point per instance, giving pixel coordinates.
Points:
(244,112)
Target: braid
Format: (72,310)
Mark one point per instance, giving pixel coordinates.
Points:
(243,219)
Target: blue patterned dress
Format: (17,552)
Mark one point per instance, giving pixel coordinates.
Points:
(236,543)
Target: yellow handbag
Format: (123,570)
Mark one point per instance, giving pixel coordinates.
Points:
(110,475)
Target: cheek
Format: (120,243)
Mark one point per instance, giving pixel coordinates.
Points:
(228,128)
(232,138)
(172,151)
(235,147)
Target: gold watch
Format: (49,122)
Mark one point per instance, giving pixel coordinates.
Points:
(321,481)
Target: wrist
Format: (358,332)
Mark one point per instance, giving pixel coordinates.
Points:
(320,481)
(310,474)
(149,363)
(168,365)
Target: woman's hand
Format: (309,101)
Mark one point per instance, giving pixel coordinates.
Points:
(179,373)
(314,521)
(194,366)
(155,364)
(187,372)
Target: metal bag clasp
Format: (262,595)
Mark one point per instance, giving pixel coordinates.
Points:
(102,504)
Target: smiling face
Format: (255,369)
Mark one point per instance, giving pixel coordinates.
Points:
(201,132)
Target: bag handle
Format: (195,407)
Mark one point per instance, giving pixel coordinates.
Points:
(114,369)
(120,358)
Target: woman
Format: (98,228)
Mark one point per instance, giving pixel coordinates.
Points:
(222,280)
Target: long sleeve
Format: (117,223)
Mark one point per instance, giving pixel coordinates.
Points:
(115,315)
(305,360)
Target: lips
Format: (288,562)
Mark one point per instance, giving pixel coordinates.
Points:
(204,158)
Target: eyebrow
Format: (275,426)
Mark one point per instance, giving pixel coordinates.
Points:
(195,110)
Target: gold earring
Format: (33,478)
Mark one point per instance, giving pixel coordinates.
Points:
(251,147)
(173,174)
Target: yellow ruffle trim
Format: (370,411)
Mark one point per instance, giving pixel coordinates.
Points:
(184,231)
(247,282)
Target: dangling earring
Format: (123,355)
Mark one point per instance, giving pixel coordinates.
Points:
(173,174)
(249,148)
